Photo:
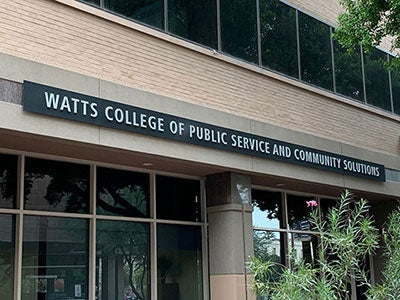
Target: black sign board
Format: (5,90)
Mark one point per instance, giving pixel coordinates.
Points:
(69,105)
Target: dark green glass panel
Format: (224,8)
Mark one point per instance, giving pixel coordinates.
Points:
(178,199)
(8,180)
(278,37)
(377,79)
(395,77)
(54,258)
(7,252)
(179,262)
(95,2)
(149,12)
(123,193)
(348,72)
(239,29)
(299,212)
(56,186)
(315,52)
(195,20)
(122,260)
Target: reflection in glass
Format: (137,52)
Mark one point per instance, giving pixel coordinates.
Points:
(179,262)
(303,247)
(348,71)
(269,245)
(149,12)
(277,21)
(56,186)
(239,29)
(122,193)
(377,79)
(8,180)
(267,209)
(7,250)
(55,258)
(195,20)
(315,52)
(123,260)
(298,212)
(395,77)
(178,199)
(325,205)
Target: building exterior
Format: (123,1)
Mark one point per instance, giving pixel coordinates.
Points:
(148,148)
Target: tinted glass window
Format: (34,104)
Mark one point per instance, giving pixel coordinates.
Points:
(315,52)
(395,76)
(267,209)
(56,186)
(269,245)
(179,262)
(178,199)
(95,2)
(377,79)
(278,20)
(7,250)
(299,212)
(239,29)
(55,258)
(122,193)
(149,12)
(348,72)
(123,260)
(194,20)
(8,180)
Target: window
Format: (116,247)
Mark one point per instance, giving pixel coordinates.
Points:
(56,186)
(377,79)
(195,20)
(278,20)
(7,250)
(8,180)
(239,29)
(315,52)
(395,78)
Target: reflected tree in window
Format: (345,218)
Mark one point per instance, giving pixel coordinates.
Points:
(278,20)
(122,193)
(8,180)
(56,186)
(123,260)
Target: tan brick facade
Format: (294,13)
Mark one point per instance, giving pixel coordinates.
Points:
(59,35)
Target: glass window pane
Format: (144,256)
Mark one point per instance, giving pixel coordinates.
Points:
(299,212)
(122,193)
(315,52)
(55,258)
(325,205)
(303,246)
(195,20)
(269,245)
(239,29)
(377,79)
(348,72)
(123,260)
(95,2)
(8,180)
(395,77)
(149,12)
(56,186)
(7,250)
(179,262)
(267,209)
(178,199)
(278,20)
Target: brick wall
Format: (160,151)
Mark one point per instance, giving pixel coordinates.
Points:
(59,35)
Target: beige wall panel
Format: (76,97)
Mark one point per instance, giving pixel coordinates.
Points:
(59,35)
(325,10)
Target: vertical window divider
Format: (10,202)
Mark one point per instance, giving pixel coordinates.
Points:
(333,61)
(363,73)
(298,43)
(219,42)
(258,32)
(166,15)
(204,242)
(153,237)
(19,229)
(92,233)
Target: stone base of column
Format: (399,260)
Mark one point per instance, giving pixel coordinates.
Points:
(230,287)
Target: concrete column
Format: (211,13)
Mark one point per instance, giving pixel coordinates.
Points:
(230,235)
